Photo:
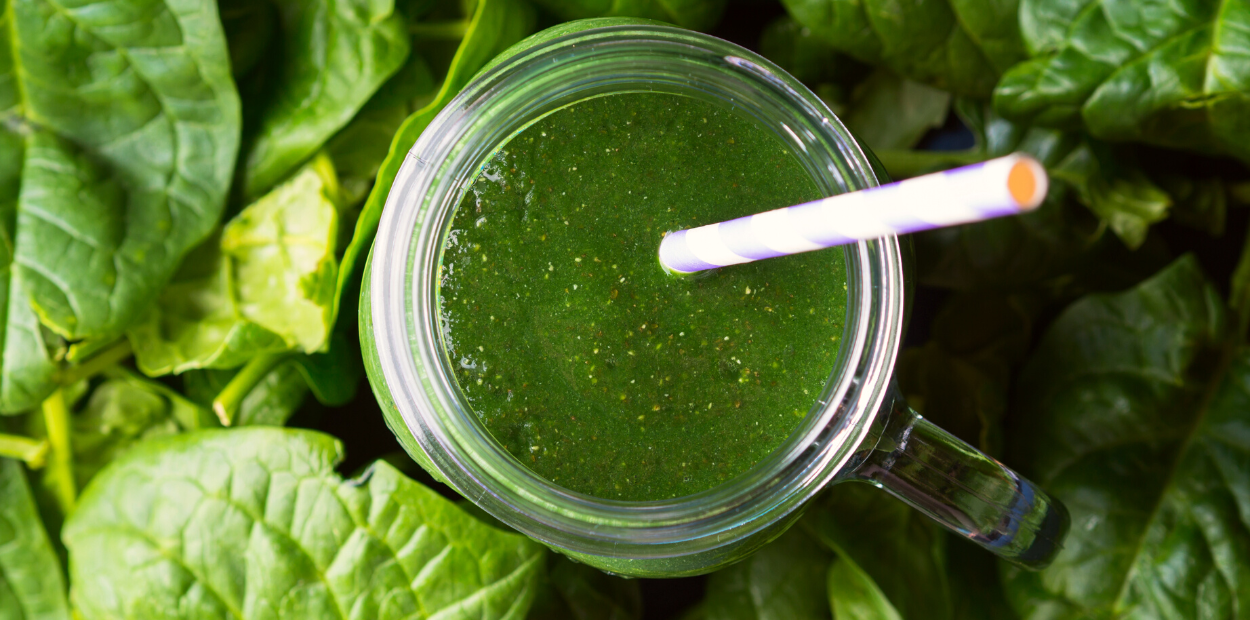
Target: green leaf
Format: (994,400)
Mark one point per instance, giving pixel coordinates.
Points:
(31,583)
(495,25)
(255,523)
(889,112)
(271,402)
(899,550)
(853,595)
(359,148)
(1123,197)
(976,588)
(250,27)
(1135,414)
(960,379)
(807,57)
(785,580)
(334,375)
(267,285)
(1164,73)
(579,592)
(116,151)
(119,412)
(961,46)
(955,394)
(1200,203)
(692,14)
(336,53)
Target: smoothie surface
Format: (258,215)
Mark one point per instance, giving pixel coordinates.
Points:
(583,358)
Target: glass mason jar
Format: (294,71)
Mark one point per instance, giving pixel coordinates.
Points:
(858,429)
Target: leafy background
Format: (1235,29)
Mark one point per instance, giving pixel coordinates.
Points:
(188,186)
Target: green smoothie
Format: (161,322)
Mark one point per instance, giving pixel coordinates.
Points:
(583,358)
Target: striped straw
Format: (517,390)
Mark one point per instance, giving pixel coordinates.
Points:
(1004,186)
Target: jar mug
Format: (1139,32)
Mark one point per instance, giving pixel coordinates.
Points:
(859,429)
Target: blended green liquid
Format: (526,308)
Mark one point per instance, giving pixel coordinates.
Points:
(589,363)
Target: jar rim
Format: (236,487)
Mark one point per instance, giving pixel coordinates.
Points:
(403,290)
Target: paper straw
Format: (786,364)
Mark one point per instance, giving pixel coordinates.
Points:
(1004,186)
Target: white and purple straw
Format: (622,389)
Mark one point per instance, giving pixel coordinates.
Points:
(1004,186)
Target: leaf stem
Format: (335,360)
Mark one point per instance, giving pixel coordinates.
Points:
(226,405)
(60,471)
(98,363)
(904,164)
(441,31)
(25,449)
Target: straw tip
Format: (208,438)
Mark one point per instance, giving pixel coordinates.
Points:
(1027,182)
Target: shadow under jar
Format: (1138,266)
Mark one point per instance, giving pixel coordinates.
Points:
(857,429)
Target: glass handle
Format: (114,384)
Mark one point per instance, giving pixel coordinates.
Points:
(963,489)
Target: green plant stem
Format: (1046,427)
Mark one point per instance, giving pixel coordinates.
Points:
(904,164)
(226,405)
(98,363)
(25,449)
(60,470)
(441,31)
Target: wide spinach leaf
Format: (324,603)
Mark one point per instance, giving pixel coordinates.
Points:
(267,284)
(785,580)
(335,54)
(32,586)
(961,46)
(1135,413)
(495,25)
(255,523)
(693,14)
(116,149)
(1172,74)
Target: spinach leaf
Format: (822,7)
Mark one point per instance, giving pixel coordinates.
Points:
(1168,74)
(89,424)
(961,377)
(32,586)
(576,591)
(889,112)
(883,110)
(896,551)
(1134,414)
(359,148)
(333,376)
(1104,179)
(271,402)
(1049,241)
(122,411)
(959,46)
(116,149)
(692,14)
(785,580)
(250,26)
(807,57)
(336,54)
(853,595)
(266,285)
(252,523)
(495,25)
